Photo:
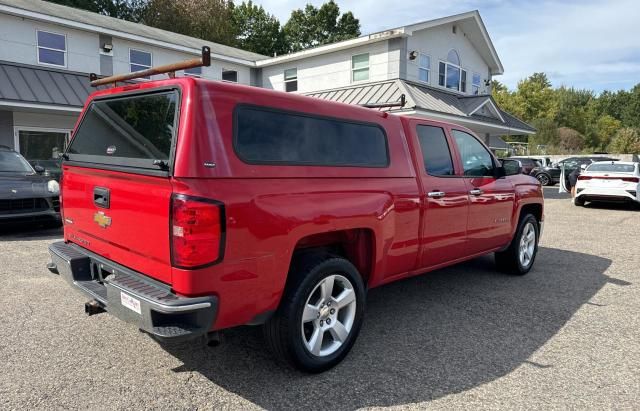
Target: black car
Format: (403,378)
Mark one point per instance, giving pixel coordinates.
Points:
(550,175)
(26,194)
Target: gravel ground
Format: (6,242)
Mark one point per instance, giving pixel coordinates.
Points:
(466,337)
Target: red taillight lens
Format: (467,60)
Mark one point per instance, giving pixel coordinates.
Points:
(631,179)
(197,231)
(584,177)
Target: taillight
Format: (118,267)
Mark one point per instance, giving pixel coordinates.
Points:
(197,231)
(584,177)
(631,179)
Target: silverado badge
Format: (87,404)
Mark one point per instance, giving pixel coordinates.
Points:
(101,219)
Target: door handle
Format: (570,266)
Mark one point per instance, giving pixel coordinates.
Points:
(476,192)
(436,194)
(101,197)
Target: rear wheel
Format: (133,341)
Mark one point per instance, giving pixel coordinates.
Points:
(578,201)
(544,179)
(519,257)
(320,315)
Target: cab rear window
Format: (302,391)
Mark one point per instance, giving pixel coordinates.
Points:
(268,136)
(136,130)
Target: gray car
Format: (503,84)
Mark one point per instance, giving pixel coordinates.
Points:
(26,194)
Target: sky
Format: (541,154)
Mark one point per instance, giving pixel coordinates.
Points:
(583,44)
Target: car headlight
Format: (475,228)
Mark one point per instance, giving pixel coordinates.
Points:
(53,187)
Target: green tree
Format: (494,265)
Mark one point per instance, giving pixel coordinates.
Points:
(313,26)
(626,141)
(571,140)
(535,98)
(630,115)
(258,31)
(546,137)
(606,128)
(210,20)
(505,98)
(132,10)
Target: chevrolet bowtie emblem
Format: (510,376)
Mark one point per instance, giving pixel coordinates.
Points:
(101,219)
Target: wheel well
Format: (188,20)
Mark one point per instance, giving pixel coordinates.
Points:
(355,245)
(534,209)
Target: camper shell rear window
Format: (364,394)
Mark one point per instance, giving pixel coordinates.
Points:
(135,130)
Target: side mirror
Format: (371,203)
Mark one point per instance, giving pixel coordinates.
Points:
(39,169)
(510,167)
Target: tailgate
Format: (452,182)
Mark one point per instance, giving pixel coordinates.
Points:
(116,185)
(133,230)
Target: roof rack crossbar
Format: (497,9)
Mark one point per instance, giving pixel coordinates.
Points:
(204,60)
(401,103)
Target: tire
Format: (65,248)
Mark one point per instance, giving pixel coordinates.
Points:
(544,179)
(512,259)
(293,333)
(578,202)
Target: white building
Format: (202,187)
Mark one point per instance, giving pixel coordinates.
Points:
(443,68)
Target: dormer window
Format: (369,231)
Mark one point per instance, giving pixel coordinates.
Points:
(450,73)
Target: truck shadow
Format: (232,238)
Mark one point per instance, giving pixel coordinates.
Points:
(423,338)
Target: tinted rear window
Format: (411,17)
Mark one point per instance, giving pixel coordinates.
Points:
(266,136)
(613,168)
(435,151)
(132,130)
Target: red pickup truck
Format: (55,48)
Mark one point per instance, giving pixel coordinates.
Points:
(191,206)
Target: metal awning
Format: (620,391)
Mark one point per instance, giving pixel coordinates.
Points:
(431,102)
(29,86)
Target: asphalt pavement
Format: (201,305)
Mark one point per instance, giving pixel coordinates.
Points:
(466,337)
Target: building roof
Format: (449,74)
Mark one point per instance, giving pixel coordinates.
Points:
(425,99)
(470,22)
(22,84)
(86,20)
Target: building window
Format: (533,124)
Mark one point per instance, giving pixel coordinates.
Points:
(42,147)
(475,85)
(230,75)
(193,72)
(52,48)
(291,80)
(139,60)
(360,67)
(451,75)
(424,68)
(463,81)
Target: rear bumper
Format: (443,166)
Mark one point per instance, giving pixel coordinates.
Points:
(133,297)
(606,194)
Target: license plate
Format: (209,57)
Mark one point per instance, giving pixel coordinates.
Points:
(130,302)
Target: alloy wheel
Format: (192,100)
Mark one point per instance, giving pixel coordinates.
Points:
(527,244)
(328,316)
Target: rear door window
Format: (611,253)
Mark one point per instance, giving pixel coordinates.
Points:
(435,151)
(133,131)
(268,136)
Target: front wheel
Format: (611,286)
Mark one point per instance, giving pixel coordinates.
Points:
(519,257)
(320,315)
